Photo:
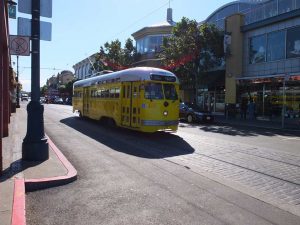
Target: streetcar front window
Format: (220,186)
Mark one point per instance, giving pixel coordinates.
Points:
(170,92)
(153,91)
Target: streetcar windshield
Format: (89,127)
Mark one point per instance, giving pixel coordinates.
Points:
(153,91)
(170,92)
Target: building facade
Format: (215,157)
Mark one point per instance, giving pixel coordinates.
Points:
(149,40)
(84,68)
(267,39)
(65,77)
(7,78)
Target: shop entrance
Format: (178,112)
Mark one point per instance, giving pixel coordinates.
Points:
(213,101)
(276,99)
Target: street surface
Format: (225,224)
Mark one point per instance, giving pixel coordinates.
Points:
(202,174)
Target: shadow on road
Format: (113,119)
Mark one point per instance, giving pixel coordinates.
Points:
(145,145)
(244,131)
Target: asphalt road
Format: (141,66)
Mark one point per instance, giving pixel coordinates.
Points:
(199,175)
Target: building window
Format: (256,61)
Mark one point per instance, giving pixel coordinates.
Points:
(297,4)
(151,43)
(285,6)
(293,43)
(276,46)
(257,49)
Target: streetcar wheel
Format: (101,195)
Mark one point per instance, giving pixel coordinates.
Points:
(190,118)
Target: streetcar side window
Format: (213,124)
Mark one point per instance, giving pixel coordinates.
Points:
(153,91)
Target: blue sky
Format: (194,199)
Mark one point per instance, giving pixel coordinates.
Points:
(79,28)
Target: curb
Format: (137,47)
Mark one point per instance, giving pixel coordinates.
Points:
(21,186)
(18,210)
(38,184)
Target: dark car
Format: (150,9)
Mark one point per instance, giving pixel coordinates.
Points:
(68,101)
(193,113)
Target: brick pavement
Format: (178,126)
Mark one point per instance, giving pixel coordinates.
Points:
(268,175)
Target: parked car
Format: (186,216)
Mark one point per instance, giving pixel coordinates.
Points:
(68,101)
(58,101)
(24,97)
(192,113)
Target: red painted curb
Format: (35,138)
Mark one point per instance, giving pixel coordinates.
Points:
(36,184)
(18,210)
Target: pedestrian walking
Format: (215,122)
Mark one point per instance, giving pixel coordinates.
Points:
(244,107)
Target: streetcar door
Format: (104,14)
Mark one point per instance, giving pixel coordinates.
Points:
(135,100)
(85,101)
(126,104)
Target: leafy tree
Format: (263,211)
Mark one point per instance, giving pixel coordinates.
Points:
(67,89)
(113,57)
(192,49)
(44,90)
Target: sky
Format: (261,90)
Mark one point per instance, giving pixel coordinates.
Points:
(79,28)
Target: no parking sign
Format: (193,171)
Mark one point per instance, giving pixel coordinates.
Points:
(19,45)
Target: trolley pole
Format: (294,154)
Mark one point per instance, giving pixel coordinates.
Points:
(35,144)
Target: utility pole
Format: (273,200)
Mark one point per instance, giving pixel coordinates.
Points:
(35,144)
(18,88)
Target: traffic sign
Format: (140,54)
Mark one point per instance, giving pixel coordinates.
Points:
(12,11)
(24,6)
(19,45)
(24,28)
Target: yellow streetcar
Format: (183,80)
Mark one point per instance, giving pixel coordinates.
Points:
(142,98)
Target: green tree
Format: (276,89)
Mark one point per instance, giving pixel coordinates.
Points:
(113,57)
(191,50)
(44,90)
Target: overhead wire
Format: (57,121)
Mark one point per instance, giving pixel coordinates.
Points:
(142,18)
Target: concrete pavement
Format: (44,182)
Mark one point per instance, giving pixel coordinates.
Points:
(20,176)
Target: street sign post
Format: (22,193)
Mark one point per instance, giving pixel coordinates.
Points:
(35,144)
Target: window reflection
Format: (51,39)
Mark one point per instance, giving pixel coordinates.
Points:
(257,49)
(151,43)
(293,43)
(285,6)
(276,46)
(153,91)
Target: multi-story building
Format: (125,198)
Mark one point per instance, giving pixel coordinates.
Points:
(149,40)
(65,77)
(262,56)
(84,68)
(7,79)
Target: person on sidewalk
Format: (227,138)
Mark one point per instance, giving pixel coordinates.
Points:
(244,107)
(251,109)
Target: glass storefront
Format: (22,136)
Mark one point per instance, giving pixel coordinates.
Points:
(276,98)
(213,101)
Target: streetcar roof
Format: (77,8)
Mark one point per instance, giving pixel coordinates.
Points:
(132,74)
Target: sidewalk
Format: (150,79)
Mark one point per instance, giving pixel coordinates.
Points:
(290,125)
(19,176)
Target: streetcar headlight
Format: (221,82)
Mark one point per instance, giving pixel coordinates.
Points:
(165,113)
